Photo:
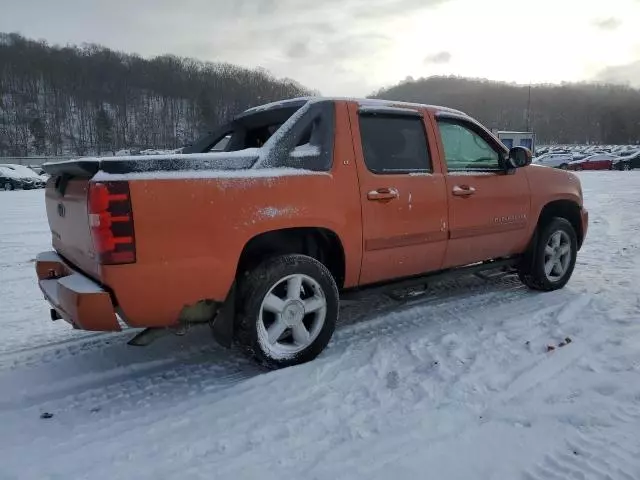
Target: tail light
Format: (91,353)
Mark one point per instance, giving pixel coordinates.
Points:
(111,222)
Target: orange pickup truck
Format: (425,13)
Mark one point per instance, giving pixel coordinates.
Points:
(261,226)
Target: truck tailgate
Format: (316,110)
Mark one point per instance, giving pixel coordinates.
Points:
(66,203)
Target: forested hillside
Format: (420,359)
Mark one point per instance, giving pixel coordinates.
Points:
(84,100)
(569,113)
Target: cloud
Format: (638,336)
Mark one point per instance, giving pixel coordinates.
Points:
(298,49)
(438,58)
(628,74)
(610,23)
(309,40)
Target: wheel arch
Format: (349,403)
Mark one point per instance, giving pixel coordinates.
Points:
(320,243)
(567,209)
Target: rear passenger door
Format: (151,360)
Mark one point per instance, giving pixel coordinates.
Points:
(488,207)
(403,197)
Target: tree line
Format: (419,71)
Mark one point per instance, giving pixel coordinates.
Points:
(561,114)
(93,100)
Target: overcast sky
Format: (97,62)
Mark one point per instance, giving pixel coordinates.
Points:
(352,47)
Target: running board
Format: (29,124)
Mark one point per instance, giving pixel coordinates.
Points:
(477,269)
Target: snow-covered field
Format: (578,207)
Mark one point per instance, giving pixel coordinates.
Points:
(457,384)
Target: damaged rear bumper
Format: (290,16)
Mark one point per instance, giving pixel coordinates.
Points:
(75,297)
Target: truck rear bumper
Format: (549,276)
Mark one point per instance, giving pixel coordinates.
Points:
(75,297)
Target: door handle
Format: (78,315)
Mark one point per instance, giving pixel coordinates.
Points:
(382,194)
(463,191)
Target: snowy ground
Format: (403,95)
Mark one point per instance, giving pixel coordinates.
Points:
(456,385)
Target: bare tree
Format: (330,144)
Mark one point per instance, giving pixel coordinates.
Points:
(568,113)
(89,99)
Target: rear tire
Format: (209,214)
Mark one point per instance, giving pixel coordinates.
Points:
(8,186)
(287,311)
(550,262)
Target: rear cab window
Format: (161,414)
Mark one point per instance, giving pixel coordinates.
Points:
(394,143)
(307,143)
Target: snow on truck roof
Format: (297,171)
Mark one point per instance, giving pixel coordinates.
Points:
(363,102)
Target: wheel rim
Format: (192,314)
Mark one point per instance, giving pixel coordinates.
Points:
(626,166)
(291,315)
(557,256)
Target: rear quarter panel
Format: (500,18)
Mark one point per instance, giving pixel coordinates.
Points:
(190,233)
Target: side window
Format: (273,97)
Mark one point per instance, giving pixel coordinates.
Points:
(306,143)
(394,144)
(466,150)
(221,144)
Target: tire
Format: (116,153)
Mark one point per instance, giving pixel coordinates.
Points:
(257,306)
(564,166)
(533,273)
(8,186)
(626,166)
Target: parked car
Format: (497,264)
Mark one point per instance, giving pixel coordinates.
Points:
(627,163)
(556,160)
(9,180)
(28,178)
(602,161)
(310,199)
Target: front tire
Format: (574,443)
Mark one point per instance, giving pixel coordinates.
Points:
(287,311)
(550,262)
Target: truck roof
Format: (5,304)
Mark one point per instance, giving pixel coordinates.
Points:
(363,102)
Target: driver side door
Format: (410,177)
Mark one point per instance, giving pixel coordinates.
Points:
(488,207)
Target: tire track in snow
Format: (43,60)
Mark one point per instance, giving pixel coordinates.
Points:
(127,391)
(609,455)
(370,323)
(180,386)
(369,306)
(52,351)
(409,440)
(552,365)
(555,306)
(93,386)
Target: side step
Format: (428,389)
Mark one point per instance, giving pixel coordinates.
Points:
(478,269)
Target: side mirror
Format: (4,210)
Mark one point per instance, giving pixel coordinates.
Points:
(519,157)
